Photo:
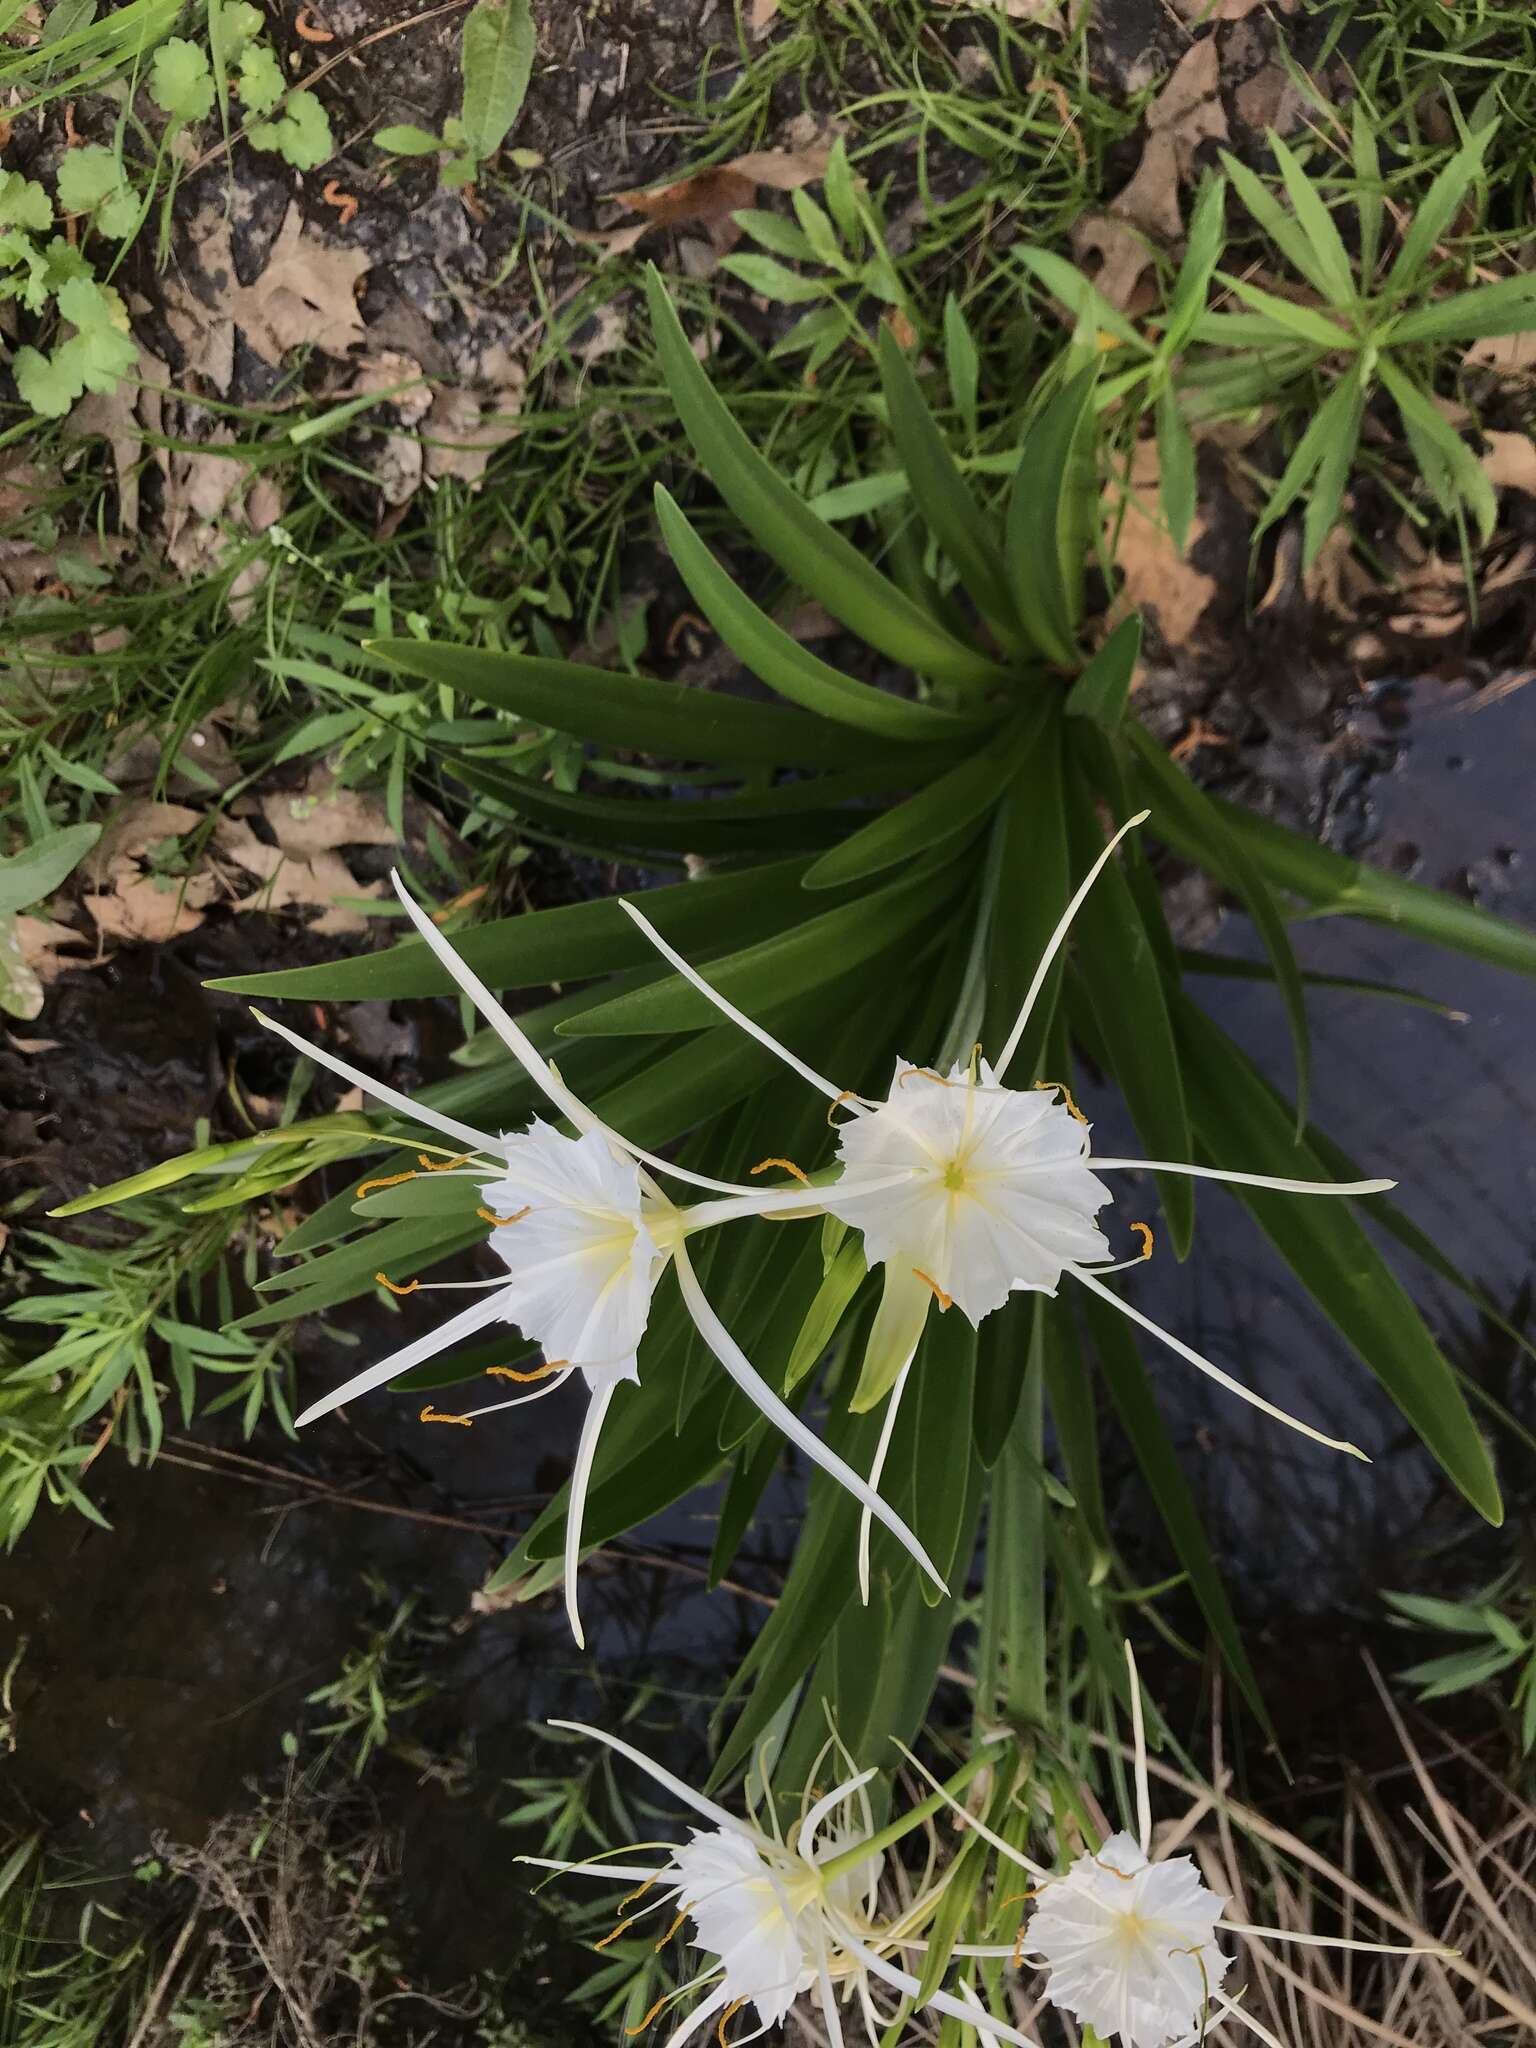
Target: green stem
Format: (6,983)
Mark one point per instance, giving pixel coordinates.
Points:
(914,1817)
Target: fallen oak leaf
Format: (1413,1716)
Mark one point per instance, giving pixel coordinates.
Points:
(709,197)
(1187,112)
(1509,462)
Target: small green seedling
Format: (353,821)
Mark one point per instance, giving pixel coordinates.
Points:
(844,259)
(497,63)
(292,124)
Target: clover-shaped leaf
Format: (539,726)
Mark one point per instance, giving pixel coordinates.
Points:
(302,137)
(262,83)
(180,83)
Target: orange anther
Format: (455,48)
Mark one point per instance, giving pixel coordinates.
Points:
(656,2008)
(725,2019)
(1144,1232)
(1060,1088)
(430,1414)
(847,1095)
(788,1165)
(502,1221)
(641,1889)
(309,31)
(944,1300)
(927,1073)
(671,1931)
(524,1379)
(430,1165)
(623,1928)
(384,1280)
(391,1180)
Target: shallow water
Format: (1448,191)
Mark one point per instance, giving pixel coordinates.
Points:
(1448,1109)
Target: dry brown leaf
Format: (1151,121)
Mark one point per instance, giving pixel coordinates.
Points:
(1509,462)
(139,825)
(320,881)
(465,427)
(1157,579)
(138,907)
(43,943)
(323,816)
(1508,353)
(1050,13)
(306,294)
(709,197)
(1187,112)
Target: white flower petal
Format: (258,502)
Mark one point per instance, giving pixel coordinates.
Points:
(492,1308)
(997,1193)
(1130,1946)
(582,1262)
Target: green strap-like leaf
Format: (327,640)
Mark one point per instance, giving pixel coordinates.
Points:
(941,493)
(1436,210)
(1050,520)
(1304,322)
(1103,689)
(834,944)
(1282,228)
(1241,1125)
(798,816)
(955,808)
(1450,468)
(1338,886)
(617,710)
(568,943)
(1507,307)
(1202,827)
(1083,300)
(1329,256)
(805,547)
(782,662)
(1120,969)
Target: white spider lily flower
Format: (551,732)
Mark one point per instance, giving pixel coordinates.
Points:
(1128,1940)
(585,1232)
(967,1190)
(777,1917)
(1130,1945)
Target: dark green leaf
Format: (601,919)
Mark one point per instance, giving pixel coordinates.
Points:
(1338,886)
(1103,689)
(956,807)
(618,710)
(1123,976)
(781,661)
(1050,520)
(804,546)
(569,943)
(941,493)
(758,977)
(1225,855)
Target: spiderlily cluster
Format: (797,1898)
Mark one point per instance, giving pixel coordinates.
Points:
(1129,1941)
(965,1191)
